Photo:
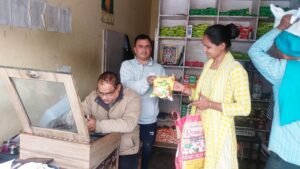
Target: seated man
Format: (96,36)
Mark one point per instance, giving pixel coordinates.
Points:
(112,108)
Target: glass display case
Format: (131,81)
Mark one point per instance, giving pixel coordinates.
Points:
(54,126)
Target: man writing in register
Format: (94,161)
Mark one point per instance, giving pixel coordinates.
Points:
(112,108)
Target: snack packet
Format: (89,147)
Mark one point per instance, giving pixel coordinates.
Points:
(163,87)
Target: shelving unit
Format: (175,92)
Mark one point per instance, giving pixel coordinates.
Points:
(189,50)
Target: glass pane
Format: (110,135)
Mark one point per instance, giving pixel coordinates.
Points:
(9,123)
(46,104)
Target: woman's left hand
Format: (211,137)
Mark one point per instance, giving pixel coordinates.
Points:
(203,103)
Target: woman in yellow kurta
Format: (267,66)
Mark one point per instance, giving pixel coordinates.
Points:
(222,93)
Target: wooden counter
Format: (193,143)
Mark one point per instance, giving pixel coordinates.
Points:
(68,154)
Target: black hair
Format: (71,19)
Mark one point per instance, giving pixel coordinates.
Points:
(142,37)
(109,77)
(222,34)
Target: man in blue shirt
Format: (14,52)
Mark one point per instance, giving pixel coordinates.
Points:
(138,74)
(284,75)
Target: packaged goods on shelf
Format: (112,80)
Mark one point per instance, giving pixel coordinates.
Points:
(166,135)
(206,11)
(240,56)
(174,31)
(194,63)
(263,28)
(236,12)
(245,32)
(190,80)
(171,54)
(265,11)
(184,108)
(198,30)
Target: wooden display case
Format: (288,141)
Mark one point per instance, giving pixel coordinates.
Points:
(53,124)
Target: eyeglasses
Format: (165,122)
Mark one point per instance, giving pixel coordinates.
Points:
(109,94)
(144,47)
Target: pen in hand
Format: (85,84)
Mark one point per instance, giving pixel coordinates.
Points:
(87,116)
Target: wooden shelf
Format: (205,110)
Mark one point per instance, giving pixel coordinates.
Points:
(173,66)
(190,67)
(174,17)
(165,145)
(194,39)
(196,17)
(244,40)
(227,17)
(171,38)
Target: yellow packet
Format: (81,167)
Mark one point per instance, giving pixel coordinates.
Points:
(163,87)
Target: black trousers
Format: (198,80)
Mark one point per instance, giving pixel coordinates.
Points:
(128,161)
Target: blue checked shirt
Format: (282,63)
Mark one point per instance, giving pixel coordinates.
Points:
(284,140)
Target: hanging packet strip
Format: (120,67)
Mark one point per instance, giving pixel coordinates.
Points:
(163,87)
(190,152)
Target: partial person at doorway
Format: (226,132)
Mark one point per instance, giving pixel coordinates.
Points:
(283,73)
(138,74)
(114,108)
(222,93)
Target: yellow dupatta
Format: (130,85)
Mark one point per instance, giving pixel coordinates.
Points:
(222,75)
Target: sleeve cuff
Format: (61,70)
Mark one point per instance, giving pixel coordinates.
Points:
(98,127)
(193,95)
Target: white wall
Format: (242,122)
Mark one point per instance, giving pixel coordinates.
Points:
(154,17)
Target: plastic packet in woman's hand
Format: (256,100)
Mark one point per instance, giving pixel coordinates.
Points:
(163,87)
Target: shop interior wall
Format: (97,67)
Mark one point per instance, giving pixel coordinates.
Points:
(81,49)
(154,17)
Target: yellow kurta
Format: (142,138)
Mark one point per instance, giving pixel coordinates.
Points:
(229,86)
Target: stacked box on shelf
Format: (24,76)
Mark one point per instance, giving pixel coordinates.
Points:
(174,31)
(236,12)
(263,27)
(166,132)
(206,11)
(198,30)
(186,80)
(166,135)
(245,32)
(190,80)
(240,56)
(193,81)
(265,11)
(194,63)
(184,110)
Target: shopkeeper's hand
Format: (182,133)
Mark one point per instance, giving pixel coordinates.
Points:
(91,124)
(178,87)
(150,79)
(203,103)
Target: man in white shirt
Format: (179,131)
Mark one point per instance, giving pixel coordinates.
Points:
(138,74)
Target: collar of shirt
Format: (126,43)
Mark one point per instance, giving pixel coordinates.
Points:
(100,102)
(150,61)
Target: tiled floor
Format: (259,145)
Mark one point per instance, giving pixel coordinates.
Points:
(163,158)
